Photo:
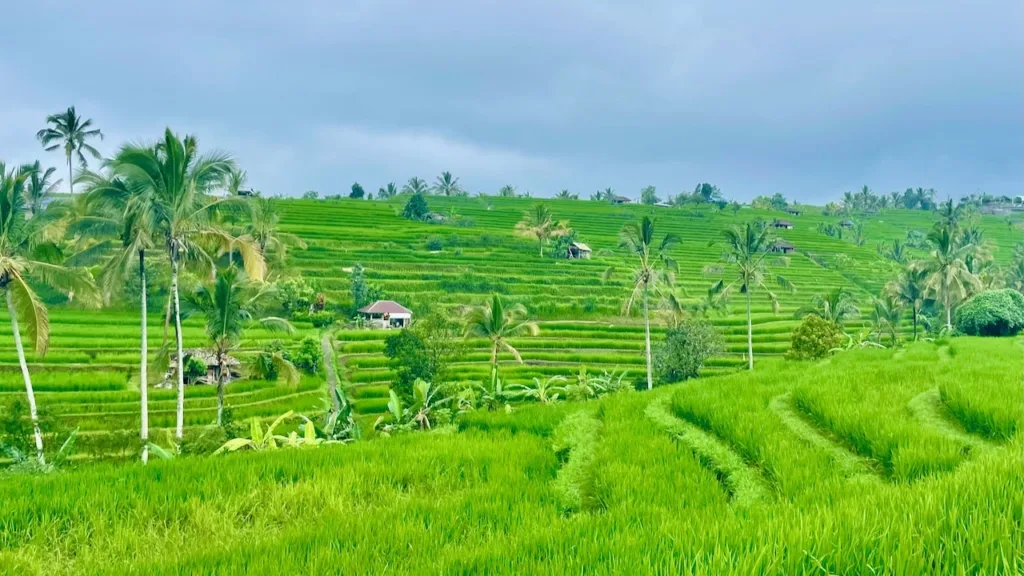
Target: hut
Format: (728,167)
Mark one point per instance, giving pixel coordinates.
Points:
(783,224)
(793,211)
(621,200)
(209,358)
(579,250)
(386,314)
(846,223)
(782,247)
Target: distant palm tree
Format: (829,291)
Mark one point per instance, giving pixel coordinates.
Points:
(229,305)
(39,188)
(507,191)
(566,195)
(389,191)
(652,267)
(26,254)
(909,289)
(538,223)
(897,252)
(69,131)
(497,324)
(1015,275)
(836,307)
(947,274)
(265,231)
(896,198)
(415,186)
(237,179)
(448,185)
(886,315)
(748,254)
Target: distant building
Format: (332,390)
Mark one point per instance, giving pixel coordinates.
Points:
(621,200)
(662,204)
(579,250)
(846,223)
(231,364)
(386,314)
(793,211)
(782,247)
(784,224)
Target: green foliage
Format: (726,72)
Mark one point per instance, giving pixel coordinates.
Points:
(416,208)
(409,359)
(992,313)
(815,338)
(648,195)
(297,295)
(434,244)
(310,195)
(308,357)
(194,369)
(685,349)
(357,191)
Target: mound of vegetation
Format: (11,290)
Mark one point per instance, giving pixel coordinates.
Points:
(992,313)
(814,338)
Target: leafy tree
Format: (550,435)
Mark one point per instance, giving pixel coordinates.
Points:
(409,359)
(448,185)
(653,266)
(497,324)
(310,195)
(415,186)
(909,289)
(507,191)
(685,349)
(308,357)
(947,275)
(735,207)
(814,338)
(443,338)
(194,369)
(992,313)
(778,201)
(649,196)
(707,193)
(357,191)
(836,307)
(416,208)
(538,223)
(67,130)
(747,255)
(389,191)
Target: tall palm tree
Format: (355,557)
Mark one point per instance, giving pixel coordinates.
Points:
(448,185)
(415,186)
(948,277)
(265,231)
(178,180)
(507,191)
(237,179)
(652,267)
(26,254)
(836,307)
(39,188)
(748,254)
(229,305)
(539,223)
(909,289)
(389,191)
(497,323)
(69,131)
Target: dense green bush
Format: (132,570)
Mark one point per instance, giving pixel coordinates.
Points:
(685,349)
(416,208)
(992,313)
(435,244)
(308,357)
(813,338)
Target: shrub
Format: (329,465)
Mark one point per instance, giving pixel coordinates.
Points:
(814,338)
(297,295)
(194,369)
(308,357)
(318,319)
(416,208)
(435,244)
(992,313)
(409,358)
(685,348)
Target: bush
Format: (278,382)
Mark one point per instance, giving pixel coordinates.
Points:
(408,357)
(308,357)
(435,244)
(318,319)
(992,313)
(683,352)
(194,369)
(297,295)
(814,338)
(416,208)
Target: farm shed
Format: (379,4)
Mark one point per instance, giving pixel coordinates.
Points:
(783,247)
(621,200)
(793,211)
(784,224)
(386,314)
(231,364)
(579,250)
(846,223)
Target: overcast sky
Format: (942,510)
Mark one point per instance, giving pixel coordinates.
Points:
(807,98)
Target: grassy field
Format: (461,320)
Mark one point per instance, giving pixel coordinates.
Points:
(876,461)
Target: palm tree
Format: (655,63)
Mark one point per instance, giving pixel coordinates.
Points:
(229,305)
(538,223)
(836,307)
(909,289)
(496,323)
(237,179)
(748,255)
(566,195)
(947,274)
(507,191)
(897,252)
(177,180)
(448,185)
(886,315)
(264,229)
(39,188)
(415,186)
(653,266)
(1015,275)
(26,254)
(389,191)
(67,130)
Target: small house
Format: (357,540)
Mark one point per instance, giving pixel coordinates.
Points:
(662,204)
(386,314)
(231,365)
(782,247)
(579,250)
(793,211)
(621,200)
(248,192)
(846,224)
(783,224)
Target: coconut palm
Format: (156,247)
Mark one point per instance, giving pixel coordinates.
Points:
(26,254)
(538,223)
(886,315)
(748,255)
(389,191)
(178,180)
(497,324)
(836,307)
(897,252)
(507,191)
(948,277)
(652,267)
(415,186)
(1015,275)
(908,289)
(39,187)
(230,304)
(265,231)
(237,179)
(448,185)
(69,131)
(566,195)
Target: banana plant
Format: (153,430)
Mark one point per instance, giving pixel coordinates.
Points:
(259,439)
(543,391)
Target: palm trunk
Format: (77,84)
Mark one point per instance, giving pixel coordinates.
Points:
(750,333)
(71,177)
(949,316)
(914,315)
(332,370)
(180,422)
(28,380)
(143,360)
(647,340)
(220,388)
(540,243)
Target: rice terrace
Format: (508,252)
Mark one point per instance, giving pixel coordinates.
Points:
(205,369)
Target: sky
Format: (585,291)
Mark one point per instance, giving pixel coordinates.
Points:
(806,98)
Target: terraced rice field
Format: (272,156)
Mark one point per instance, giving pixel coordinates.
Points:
(875,461)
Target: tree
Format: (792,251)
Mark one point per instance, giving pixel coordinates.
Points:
(357,191)
(685,349)
(649,196)
(653,266)
(836,307)
(416,208)
(992,313)
(897,252)
(26,254)
(565,195)
(947,275)
(497,324)
(389,191)
(237,179)
(408,357)
(69,131)
(538,223)
(265,231)
(747,254)
(707,193)
(415,186)
(909,289)
(814,338)
(230,304)
(448,185)
(178,180)
(507,191)
(310,195)
(886,314)
(606,195)
(39,188)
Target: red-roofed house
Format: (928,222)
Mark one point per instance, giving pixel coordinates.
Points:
(386,314)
